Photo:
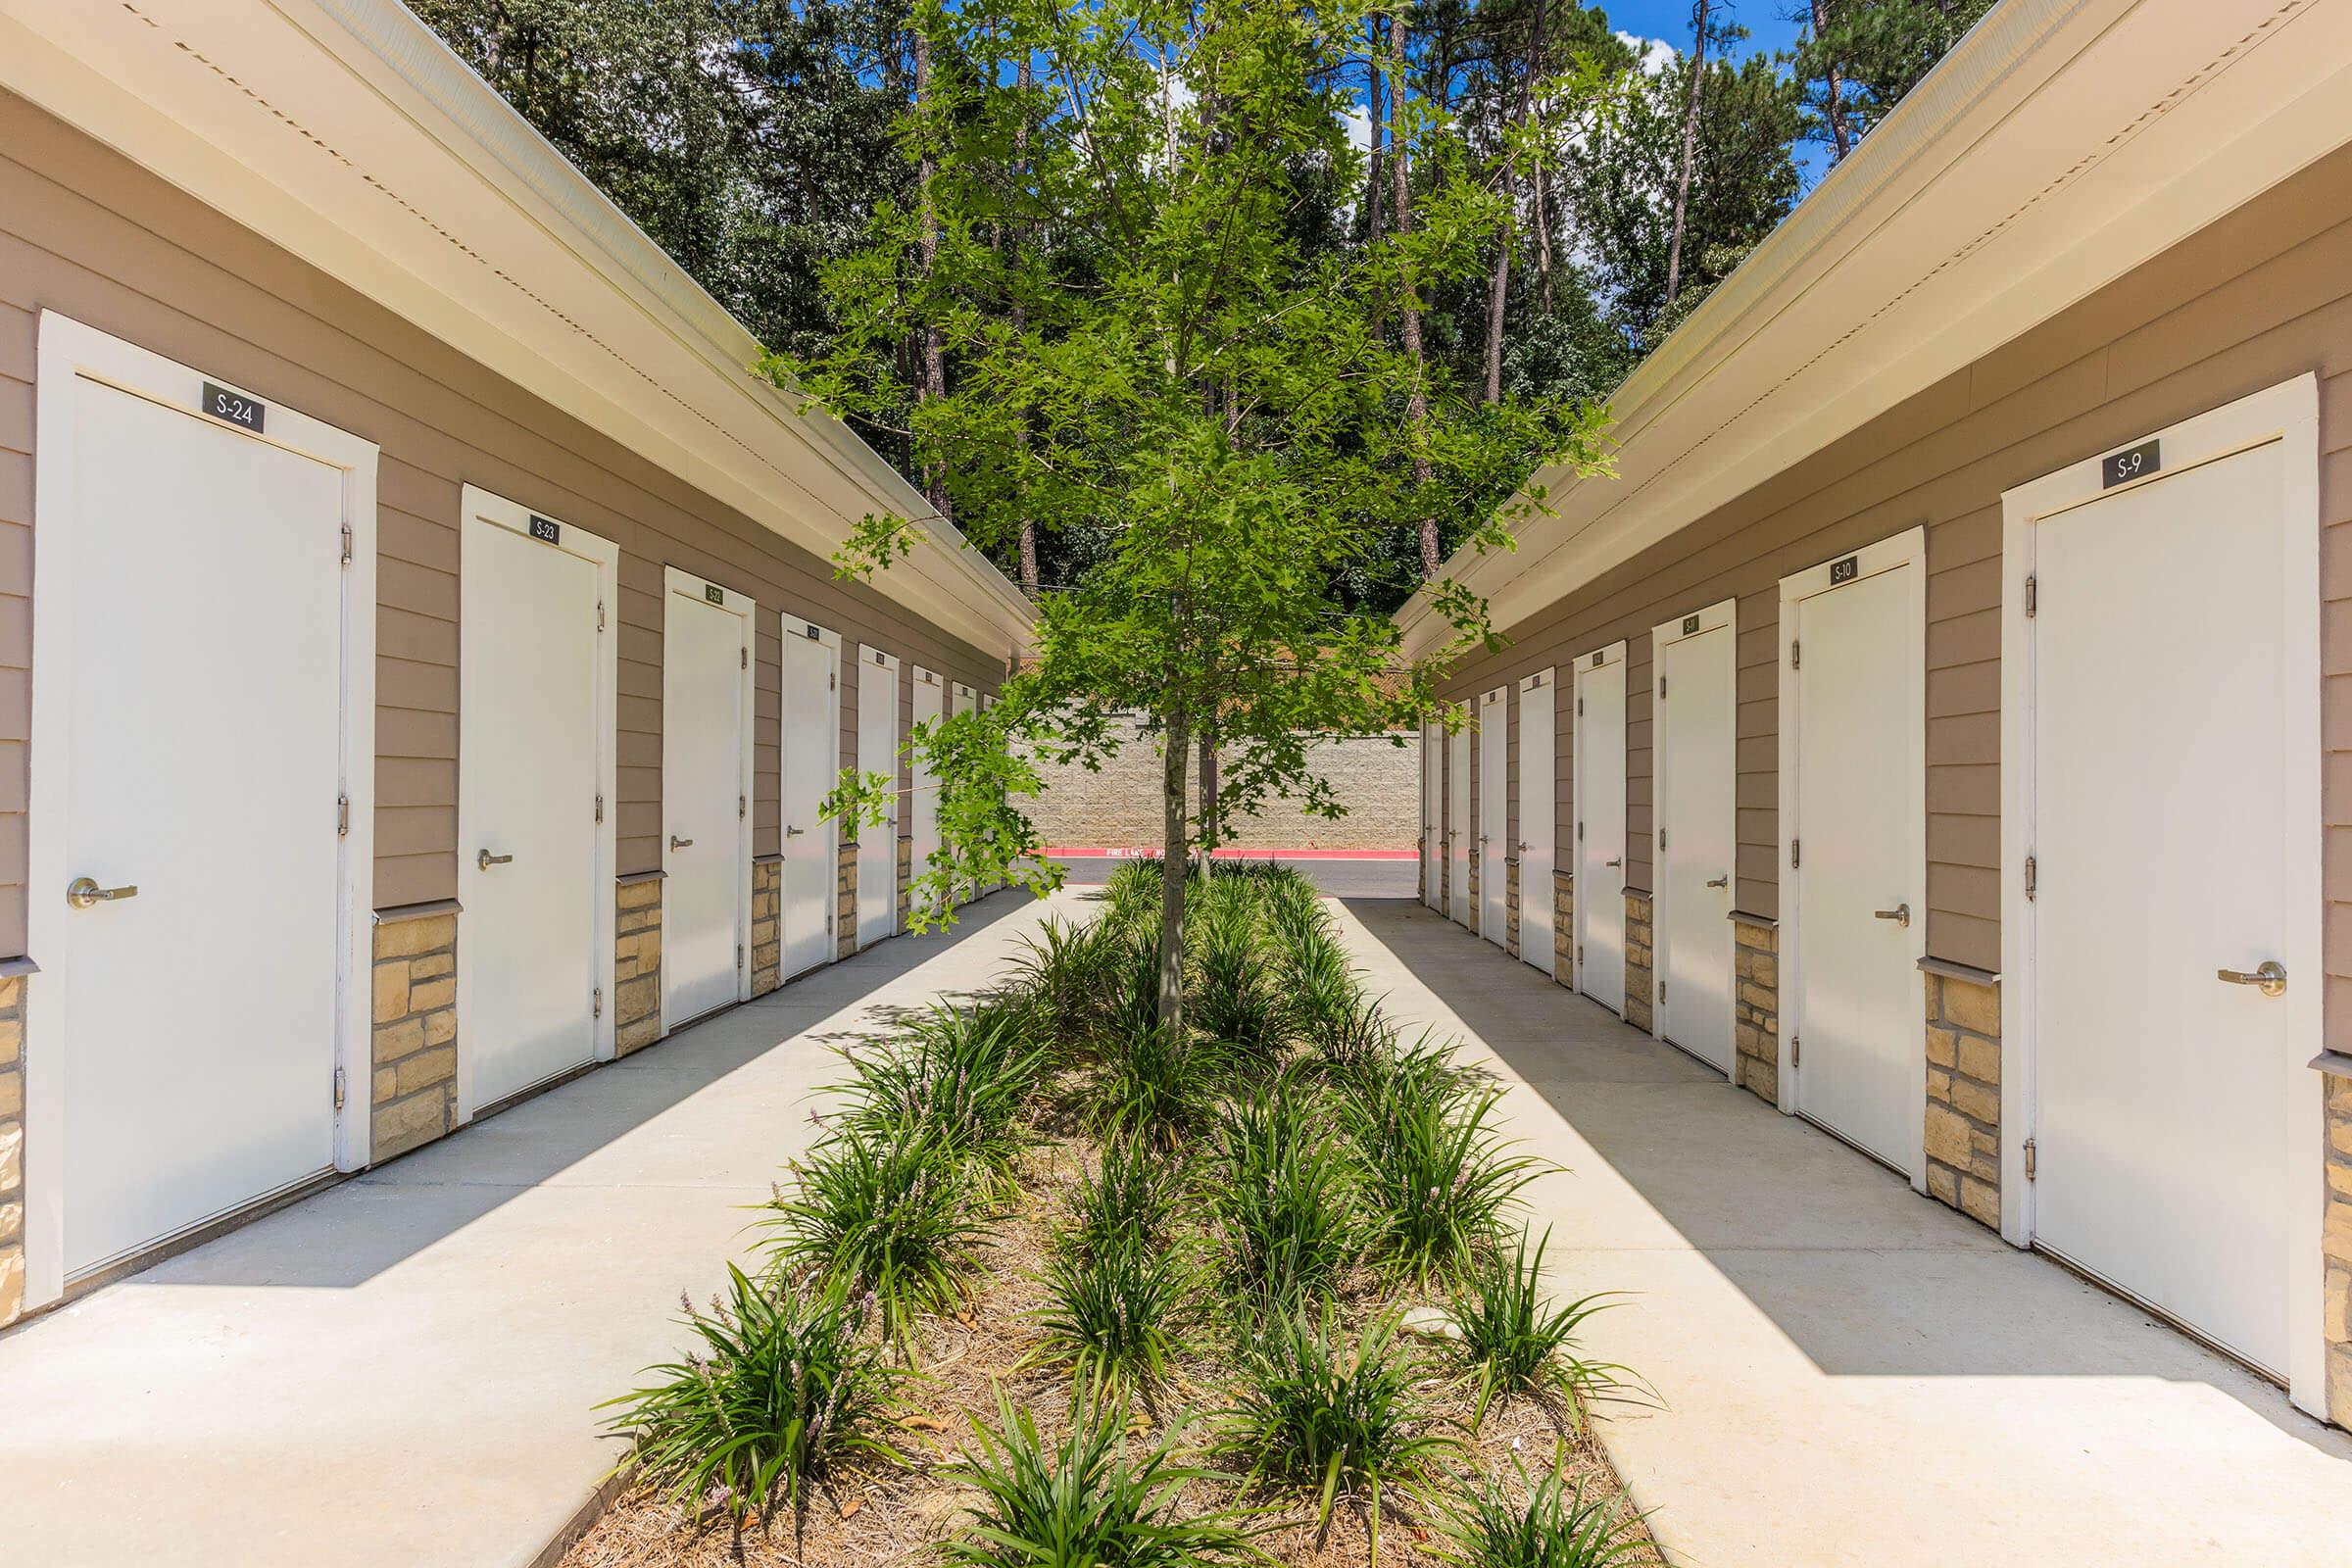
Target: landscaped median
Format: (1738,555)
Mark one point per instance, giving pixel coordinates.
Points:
(1058,1286)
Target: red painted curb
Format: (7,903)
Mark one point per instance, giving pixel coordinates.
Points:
(1064,853)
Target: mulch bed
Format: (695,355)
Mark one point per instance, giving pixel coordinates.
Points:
(874,1514)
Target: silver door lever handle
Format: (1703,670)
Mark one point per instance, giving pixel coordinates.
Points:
(1620,860)
(2270,979)
(487,859)
(677,843)
(1900,914)
(791,832)
(1723,881)
(84,891)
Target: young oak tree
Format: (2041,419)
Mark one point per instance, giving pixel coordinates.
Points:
(1144,360)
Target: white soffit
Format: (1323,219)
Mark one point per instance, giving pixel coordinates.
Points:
(2061,144)
(344,131)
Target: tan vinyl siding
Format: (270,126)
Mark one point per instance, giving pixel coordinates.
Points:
(17,347)
(85,232)
(2261,297)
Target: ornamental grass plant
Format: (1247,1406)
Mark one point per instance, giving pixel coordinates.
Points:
(1160,1274)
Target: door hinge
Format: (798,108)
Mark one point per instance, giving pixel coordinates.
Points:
(746,653)
(1661,841)
(596,1002)
(1794,845)
(742,807)
(2032,596)
(2032,1161)
(2032,876)
(1793,646)
(342,816)
(1796,1050)
(1580,832)
(1662,688)
(1661,993)
(600,614)
(738,955)
(600,806)
(346,544)
(1579,953)
(338,1089)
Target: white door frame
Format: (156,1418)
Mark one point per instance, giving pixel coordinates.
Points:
(809,630)
(1433,825)
(1580,911)
(1909,752)
(1459,745)
(917,861)
(741,606)
(1723,614)
(1493,864)
(69,350)
(604,556)
(2287,413)
(1540,687)
(870,659)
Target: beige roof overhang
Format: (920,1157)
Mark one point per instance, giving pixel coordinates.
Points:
(2059,145)
(345,131)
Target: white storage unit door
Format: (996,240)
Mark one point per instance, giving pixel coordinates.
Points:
(1696,728)
(1433,814)
(2171,663)
(1494,806)
(1853,738)
(1597,890)
(706,798)
(812,737)
(188,714)
(533,712)
(1457,824)
(878,753)
(1538,812)
(922,799)
(961,699)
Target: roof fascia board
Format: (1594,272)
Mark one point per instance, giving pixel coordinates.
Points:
(2149,129)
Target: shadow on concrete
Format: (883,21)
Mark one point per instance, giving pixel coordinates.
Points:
(1863,1275)
(349,1232)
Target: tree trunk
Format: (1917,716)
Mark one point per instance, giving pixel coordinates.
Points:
(1026,82)
(1833,108)
(1537,52)
(1498,293)
(1682,189)
(1416,403)
(1372,138)
(935,369)
(1173,843)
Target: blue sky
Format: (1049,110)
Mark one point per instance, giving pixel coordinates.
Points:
(1671,19)
(1769,29)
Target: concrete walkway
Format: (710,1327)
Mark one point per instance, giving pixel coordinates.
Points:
(1850,1373)
(401,1370)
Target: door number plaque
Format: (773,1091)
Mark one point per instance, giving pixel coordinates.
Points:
(247,413)
(546,531)
(1689,625)
(715,593)
(2137,463)
(1846,570)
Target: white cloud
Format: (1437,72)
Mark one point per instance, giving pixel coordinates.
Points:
(1653,55)
(1359,127)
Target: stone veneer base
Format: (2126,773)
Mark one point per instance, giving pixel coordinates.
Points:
(414,1097)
